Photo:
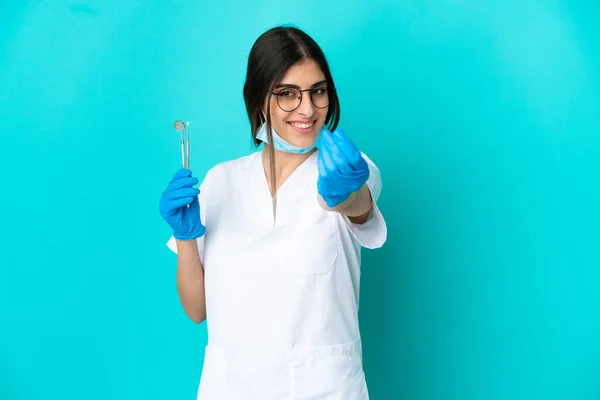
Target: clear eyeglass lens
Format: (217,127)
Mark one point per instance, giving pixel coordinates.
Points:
(289,98)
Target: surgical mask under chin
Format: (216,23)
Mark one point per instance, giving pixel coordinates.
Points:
(280,144)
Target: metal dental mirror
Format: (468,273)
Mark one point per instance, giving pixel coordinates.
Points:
(185,146)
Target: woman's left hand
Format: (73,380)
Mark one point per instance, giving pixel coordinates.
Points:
(342,169)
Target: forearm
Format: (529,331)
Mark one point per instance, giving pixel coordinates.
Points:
(356,207)
(190,280)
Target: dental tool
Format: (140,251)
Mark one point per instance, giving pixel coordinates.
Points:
(185,144)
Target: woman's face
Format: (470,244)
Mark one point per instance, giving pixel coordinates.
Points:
(301,126)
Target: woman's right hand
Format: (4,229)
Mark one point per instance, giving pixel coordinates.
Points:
(173,206)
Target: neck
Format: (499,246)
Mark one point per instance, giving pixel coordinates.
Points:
(285,163)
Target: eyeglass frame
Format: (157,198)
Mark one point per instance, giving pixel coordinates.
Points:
(328,87)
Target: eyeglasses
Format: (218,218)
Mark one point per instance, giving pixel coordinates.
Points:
(290,98)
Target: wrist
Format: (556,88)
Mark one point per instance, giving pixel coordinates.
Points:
(190,236)
(186,244)
(340,206)
(358,204)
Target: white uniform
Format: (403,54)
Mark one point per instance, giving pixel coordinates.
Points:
(281,299)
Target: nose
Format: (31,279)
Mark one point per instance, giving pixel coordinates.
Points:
(306,106)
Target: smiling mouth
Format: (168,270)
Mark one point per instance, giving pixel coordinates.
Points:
(302,125)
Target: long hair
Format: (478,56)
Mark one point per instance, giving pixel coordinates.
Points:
(273,53)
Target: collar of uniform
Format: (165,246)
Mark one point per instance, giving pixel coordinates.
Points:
(299,186)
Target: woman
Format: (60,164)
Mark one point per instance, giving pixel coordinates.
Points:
(269,247)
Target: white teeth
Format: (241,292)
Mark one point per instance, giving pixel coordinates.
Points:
(302,126)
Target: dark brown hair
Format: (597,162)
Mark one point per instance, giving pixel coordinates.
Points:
(273,53)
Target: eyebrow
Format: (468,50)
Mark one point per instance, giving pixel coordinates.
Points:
(289,85)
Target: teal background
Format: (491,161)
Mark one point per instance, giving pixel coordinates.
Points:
(483,116)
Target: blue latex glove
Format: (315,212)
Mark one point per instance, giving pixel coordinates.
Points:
(342,169)
(185,221)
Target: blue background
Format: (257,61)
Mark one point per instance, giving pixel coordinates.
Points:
(483,116)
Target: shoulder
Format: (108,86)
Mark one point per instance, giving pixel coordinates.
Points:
(374,181)
(369,161)
(233,167)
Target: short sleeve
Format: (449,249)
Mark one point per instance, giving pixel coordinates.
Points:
(373,233)
(203,200)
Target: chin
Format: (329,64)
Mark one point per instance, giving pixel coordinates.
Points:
(301,139)
(304,141)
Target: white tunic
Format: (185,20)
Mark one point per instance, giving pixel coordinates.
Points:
(281,298)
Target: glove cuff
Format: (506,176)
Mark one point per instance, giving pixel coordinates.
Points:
(195,234)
